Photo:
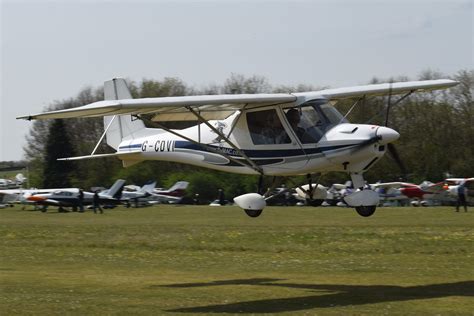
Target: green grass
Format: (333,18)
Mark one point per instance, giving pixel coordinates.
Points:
(183,260)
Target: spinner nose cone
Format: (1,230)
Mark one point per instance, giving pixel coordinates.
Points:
(387,135)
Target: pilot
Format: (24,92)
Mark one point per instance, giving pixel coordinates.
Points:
(294,118)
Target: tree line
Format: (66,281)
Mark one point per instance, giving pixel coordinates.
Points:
(437,138)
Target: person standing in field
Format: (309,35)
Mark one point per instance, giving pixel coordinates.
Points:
(96,203)
(462,192)
(81,201)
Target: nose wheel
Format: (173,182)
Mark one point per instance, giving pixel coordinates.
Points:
(365,211)
(253,213)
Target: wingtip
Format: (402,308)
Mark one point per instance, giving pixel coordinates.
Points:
(28,117)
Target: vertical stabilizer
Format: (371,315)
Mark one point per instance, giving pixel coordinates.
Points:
(123,125)
(115,190)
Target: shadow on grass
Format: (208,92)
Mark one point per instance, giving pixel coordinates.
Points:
(329,295)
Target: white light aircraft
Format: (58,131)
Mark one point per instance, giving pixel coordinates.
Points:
(282,134)
(172,195)
(451,185)
(70,197)
(12,184)
(135,194)
(13,196)
(148,194)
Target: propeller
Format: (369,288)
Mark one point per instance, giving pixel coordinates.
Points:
(392,150)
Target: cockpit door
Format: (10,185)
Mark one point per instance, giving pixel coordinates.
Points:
(269,140)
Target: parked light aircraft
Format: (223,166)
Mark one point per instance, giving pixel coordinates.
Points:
(280,134)
(450,187)
(419,194)
(134,194)
(12,184)
(148,194)
(20,196)
(172,195)
(70,197)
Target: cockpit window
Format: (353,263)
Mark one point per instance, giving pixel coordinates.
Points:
(312,119)
(305,122)
(62,193)
(265,128)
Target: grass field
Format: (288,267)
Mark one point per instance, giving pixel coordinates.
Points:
(184,260)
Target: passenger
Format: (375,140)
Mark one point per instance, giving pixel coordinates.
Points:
(273,132)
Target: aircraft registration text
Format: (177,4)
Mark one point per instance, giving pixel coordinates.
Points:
(159,146)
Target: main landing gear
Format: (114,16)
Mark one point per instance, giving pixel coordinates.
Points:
(252,203)
(364,200)
(365,211)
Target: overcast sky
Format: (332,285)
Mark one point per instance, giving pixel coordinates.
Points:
(50,50)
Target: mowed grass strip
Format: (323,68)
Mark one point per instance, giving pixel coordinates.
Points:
(206,260)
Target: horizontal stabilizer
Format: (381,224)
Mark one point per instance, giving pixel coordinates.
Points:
(123,156)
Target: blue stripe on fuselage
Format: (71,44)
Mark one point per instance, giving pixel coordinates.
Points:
(264,153)
(131,146)
(251,153)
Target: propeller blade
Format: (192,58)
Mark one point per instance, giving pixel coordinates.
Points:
(394,154)
(389,102)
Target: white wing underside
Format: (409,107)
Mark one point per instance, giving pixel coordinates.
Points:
(221,106)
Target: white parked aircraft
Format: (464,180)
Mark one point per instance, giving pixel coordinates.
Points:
(20,196)
(280,134)
(450,187)
(12,184)
(70,197)
(148,194)
(172,195)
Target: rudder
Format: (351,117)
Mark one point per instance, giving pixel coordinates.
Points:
(123,125)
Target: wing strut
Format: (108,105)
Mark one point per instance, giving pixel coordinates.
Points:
(250,161)
(103,135)
(159,125)
(352,107)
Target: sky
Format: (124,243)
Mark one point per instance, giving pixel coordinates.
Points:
(51,50)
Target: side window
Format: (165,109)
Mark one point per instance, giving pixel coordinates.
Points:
(306,123)
(265,128)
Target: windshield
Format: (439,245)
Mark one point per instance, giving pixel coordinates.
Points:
(312,119)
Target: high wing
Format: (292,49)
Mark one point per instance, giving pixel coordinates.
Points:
(382,89)
(221,106)
(170,108)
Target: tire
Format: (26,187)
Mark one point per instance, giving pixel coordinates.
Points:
(314,202)
(365,211)
(253,213)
